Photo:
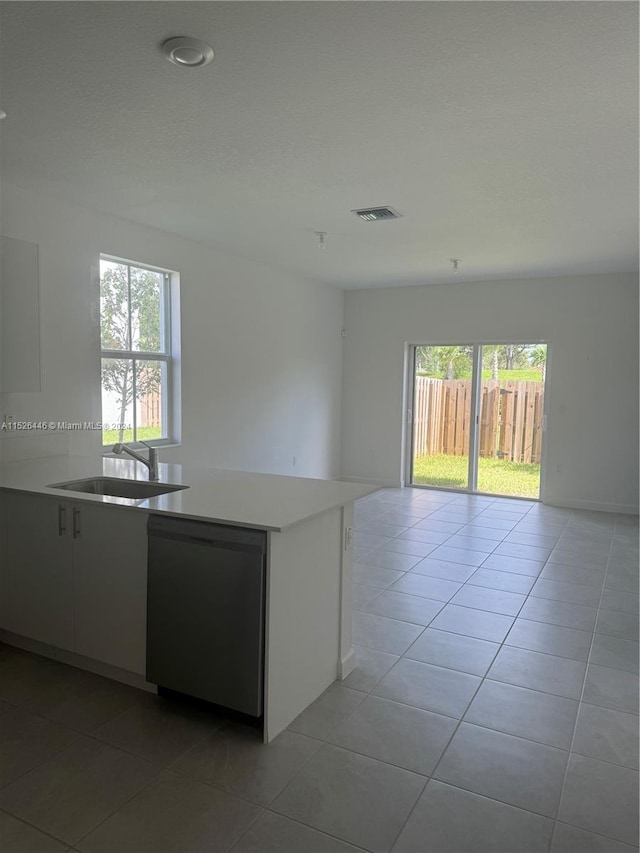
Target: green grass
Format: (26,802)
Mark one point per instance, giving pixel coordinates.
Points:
(495,476)
(525,375)
(111,436)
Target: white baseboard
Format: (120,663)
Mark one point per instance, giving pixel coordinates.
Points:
(347,664)
(594,506)
(371,481)
(79,661)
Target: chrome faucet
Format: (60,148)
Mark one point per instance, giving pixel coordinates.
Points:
(151,462)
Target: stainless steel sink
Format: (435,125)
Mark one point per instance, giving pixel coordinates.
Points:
(118,487)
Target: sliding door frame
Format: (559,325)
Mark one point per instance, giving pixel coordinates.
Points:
(474,418)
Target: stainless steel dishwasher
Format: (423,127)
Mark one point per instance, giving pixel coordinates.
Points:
(205,611)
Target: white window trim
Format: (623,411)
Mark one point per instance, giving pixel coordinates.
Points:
(170,313)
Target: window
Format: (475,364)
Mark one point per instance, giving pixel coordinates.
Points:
(135,340)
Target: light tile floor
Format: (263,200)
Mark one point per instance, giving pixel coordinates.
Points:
(494,709)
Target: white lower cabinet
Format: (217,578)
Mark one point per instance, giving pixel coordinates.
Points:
(36,577)
(75,576)
(110,585)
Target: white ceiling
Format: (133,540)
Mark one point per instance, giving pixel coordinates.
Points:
(506,133)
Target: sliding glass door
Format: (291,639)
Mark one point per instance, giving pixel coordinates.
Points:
(511,419)
(442,416)
(477,417)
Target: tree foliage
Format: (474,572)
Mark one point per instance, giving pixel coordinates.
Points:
(444,362)
(515,355)
(451,362)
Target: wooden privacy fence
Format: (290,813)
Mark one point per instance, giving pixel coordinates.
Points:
(510,418)
(150,410)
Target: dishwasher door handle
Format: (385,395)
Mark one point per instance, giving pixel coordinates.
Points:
(224,544)
(224,536)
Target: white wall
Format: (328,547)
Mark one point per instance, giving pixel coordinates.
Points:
(592,324)
(261,349)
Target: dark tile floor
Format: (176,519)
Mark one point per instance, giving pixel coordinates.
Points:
(494,709)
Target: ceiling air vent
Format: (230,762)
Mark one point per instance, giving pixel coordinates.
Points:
(373,214)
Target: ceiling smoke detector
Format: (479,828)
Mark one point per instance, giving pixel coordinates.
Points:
(376,214)
(187,52)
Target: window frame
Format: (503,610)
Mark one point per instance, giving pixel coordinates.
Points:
(167,356)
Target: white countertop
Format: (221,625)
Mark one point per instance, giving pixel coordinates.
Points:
(263,501)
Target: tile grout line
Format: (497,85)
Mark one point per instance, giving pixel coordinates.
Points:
(96,739)
(453,734)
(262,809)
(161,769)
(593,632)
(581,700)
(269,810)
(58,752)
(37,828)
(57,755)
(243,832)
(448,717)
(482,680)
(460,721)
(527,596)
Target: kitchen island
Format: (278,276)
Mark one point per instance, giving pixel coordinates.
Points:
(73,568)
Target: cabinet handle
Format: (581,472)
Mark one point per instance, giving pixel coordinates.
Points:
(76,522)
(62,519)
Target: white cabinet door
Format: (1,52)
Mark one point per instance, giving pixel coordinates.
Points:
(36,582)
(110,585)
